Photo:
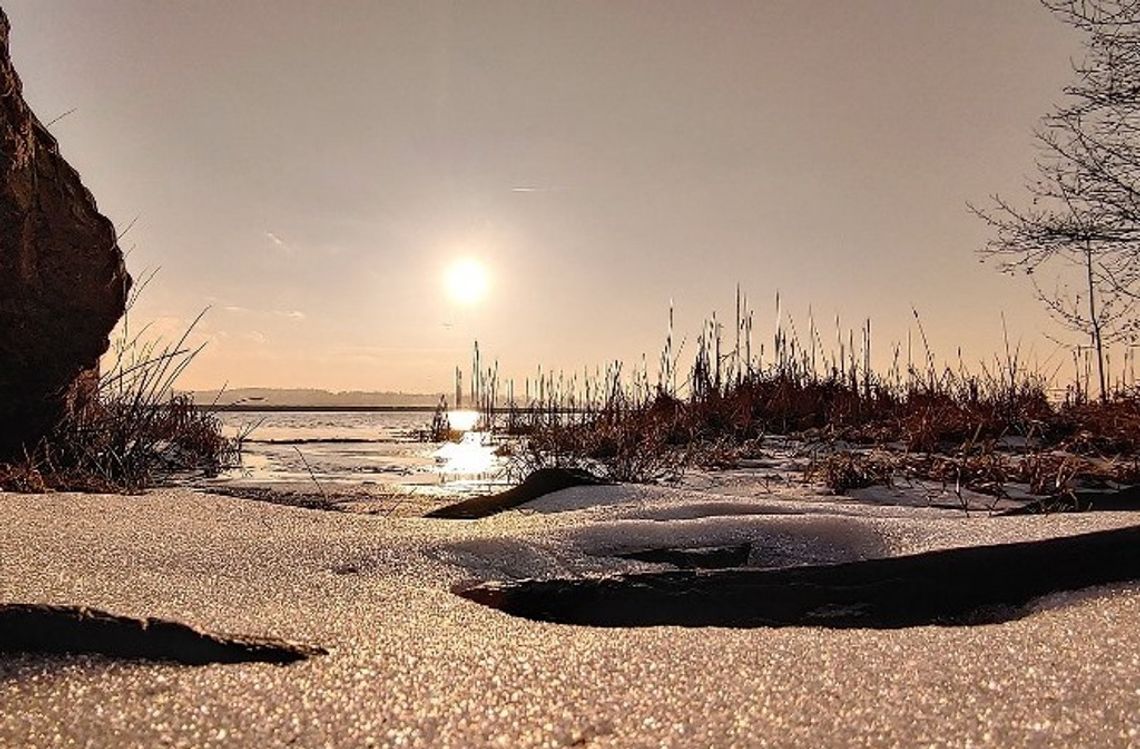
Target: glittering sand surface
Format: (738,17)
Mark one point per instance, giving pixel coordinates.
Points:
(412,664)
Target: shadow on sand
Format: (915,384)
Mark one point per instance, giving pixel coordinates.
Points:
(39,628)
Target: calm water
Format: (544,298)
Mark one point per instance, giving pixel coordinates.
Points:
(379,447)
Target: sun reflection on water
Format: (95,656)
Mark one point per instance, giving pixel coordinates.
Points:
(473,454)
(462,420)
(380,448)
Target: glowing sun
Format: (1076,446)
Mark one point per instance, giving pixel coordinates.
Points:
(466,281)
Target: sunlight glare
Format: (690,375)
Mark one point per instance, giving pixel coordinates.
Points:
(466,281)
(472,455)
(463,420)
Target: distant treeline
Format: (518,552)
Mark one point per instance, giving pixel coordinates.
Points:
(312,399)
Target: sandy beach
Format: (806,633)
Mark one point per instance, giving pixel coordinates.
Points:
(569,374)
(412,664)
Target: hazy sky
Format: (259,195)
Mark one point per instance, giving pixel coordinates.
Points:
(309,170)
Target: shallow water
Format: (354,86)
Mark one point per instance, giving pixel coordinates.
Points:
(386,448)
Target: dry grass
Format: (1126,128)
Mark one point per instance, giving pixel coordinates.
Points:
(1049,473)
(947,424)
(632,447)
(845,470)
(133,432)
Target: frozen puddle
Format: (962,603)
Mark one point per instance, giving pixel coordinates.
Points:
(636,557)
(969,585)
(764,541)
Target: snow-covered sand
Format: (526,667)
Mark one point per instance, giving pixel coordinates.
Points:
(412,664)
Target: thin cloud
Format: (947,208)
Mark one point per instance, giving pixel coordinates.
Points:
(291,314)
(276,240)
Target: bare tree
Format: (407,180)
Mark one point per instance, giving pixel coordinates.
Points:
(1083,217)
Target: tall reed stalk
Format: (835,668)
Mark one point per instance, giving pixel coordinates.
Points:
(628,425)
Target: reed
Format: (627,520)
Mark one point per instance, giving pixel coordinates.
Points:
(630,424)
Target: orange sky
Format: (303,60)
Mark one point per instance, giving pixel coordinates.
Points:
(310,170)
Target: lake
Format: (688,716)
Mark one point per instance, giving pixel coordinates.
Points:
(385,448)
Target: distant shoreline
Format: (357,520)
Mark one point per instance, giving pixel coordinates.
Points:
(254,408)
(237,407)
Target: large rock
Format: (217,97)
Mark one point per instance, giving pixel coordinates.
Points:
(538,484)
(63,285)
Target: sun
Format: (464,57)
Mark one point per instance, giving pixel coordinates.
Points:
(466,281)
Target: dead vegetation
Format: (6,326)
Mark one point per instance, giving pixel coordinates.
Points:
(131,431)
(1003,423)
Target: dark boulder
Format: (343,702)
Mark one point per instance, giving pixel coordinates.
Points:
(63,285)
(538,484)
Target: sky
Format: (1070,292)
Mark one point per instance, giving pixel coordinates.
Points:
(310,171)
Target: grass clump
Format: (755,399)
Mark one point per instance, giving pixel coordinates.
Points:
(845,470)
(128,430)
(622,446)
(440,429)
